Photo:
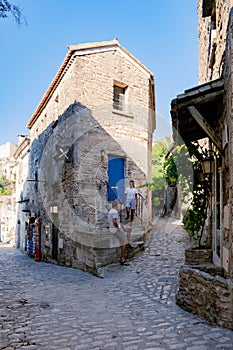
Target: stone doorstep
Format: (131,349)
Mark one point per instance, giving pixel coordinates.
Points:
(136,247)
(104,238)
(96,246)
(137,235)
(137,244)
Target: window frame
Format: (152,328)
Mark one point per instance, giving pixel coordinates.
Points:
(119,96)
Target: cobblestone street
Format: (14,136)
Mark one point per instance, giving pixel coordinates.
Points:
(45,306)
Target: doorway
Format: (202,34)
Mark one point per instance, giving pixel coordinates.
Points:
(217,214)
(54,242)
(116,178)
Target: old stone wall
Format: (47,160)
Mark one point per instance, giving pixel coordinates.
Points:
(204,288)
(22,191)
(215,60)
(70,159)
(206,294)
(8,201)
(212,32)
(203,44)
(76,132)
(228,153)
(89,80)
(7,161)
(197,256)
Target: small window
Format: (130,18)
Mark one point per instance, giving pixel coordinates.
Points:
(119,96)
(207,7)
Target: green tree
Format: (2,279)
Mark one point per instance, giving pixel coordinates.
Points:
(158,184)
(159,150)
(179,169)
(170,171)
(6,9)
(5,186)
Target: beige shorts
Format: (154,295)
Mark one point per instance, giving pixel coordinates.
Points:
(121,236)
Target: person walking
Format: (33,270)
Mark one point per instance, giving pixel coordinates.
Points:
(123,233)
(131,200)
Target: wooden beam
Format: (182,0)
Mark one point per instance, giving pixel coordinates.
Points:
(206,127)
(201,99)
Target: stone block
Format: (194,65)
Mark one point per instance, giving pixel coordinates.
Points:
(197,256)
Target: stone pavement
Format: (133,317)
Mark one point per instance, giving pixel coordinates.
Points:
(45,306)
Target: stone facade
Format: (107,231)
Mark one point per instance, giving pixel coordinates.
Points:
(21,156)
(8,202)
(227,124)
(206,287)
(75,134)
(196,256)
(216,62)
(7,162)
(213,18)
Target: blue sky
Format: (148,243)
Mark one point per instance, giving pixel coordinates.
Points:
(161,34)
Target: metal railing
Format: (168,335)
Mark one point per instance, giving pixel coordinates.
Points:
(140,206)
(140,202)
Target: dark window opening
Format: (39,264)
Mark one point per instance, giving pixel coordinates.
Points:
(36,181)
(119,97)
(213,15)
(207,7)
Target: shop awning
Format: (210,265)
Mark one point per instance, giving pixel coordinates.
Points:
(195,113)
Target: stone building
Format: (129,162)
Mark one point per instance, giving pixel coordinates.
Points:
(7,200)
(90,134)
(21,156)
(205,111)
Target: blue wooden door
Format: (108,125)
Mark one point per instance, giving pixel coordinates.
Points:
(116,174)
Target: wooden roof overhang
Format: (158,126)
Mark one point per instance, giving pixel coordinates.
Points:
(195,113)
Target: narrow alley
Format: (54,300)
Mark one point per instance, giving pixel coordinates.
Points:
(45,306)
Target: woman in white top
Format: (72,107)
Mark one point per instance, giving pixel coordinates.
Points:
(131,200)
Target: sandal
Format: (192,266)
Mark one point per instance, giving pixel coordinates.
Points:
(129,246)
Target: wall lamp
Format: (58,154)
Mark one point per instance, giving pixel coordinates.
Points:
(207,162)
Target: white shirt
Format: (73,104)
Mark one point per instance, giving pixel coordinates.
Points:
(130,192)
